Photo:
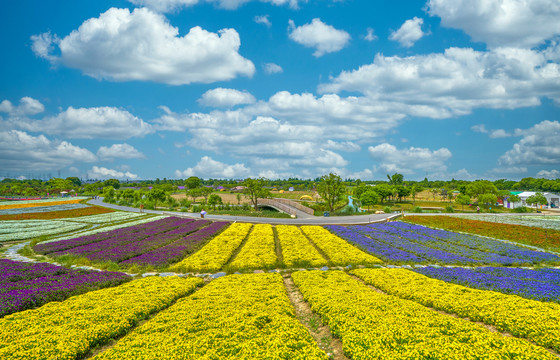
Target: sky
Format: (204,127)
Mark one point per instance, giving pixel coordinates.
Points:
(145,89)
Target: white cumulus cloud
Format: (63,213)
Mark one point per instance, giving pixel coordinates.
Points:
(99,172)
(174,5)
(500,23)
(20,151)
(549,174)
(210,168)
(320,36)
(226,98)
(539,146)
(120,151)
(272,68)
(405,161)
(453,83)
(89,123)
(262,19)
(27,106)
(409,32)
(141,45)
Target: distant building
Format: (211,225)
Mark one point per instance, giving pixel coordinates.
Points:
(553,200)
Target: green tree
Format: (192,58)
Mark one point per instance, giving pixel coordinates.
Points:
(395,179)
(402,191)
(255,189)
(112,182)
(75,181)
(537,199)
(359,190)
(514,199)
(370,197)
(205,192)
(463,199)
(157,195)
(194,193)
(487,199)
(332,189)
(192,183)
(213,200)
(128,194)
(108,193)
(384,191)
(480,187)
(415,189)
(238,197)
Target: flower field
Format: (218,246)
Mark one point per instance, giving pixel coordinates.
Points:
(545,238)
(531,319)
(259,250)
(416,311)
(35,203)
(155,243)
(11,230)
(234,317)
(540,221)
(61,214)
(70,329)
(297,251)
(29,285)
(43,208)
(373,325)
(336,249)
(542,284)
(400,242)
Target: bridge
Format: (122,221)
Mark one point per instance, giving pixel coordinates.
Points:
(288,206)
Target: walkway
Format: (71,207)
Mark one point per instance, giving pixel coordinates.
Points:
(316,220)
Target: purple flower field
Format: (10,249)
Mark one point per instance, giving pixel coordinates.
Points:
(157,243)
(405,243)
(29,285)
(543,285)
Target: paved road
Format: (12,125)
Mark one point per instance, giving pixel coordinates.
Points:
(316,220)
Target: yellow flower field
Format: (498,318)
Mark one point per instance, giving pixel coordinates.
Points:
(296,248)
(339,251)
(259,252)
(532,319)
(69,329)
(36,204)
(237,316)
(214,255)
(373,325)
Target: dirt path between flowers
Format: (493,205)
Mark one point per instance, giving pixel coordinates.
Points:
(320,332)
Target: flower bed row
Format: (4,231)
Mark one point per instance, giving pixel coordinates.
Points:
(543,285)
(297,251)
(135,221)
(214,255)
(482,244)
(156,243)
(259,252)
(34,203)
(177,250)
(531,319)
(541,221)
(47,215)
(238,316)
(70,329)
(372,325)
(43,209)
(29,285)
(400,242)
(336,249)
(11,230)
(545,238)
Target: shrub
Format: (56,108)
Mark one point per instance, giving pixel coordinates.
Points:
(449,209)
(387,210)
(522,209)
(416,209)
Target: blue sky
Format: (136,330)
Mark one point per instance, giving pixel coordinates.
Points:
(140,89)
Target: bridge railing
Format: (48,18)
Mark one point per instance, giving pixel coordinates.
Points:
(286,205)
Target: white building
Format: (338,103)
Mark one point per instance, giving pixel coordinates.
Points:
(552,199)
